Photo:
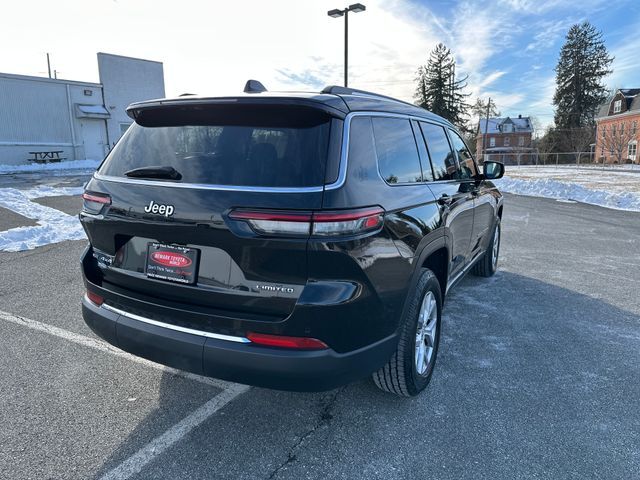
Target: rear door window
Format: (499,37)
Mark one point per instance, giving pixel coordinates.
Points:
(398,160)
(468,168)
(443,160)
(239,145)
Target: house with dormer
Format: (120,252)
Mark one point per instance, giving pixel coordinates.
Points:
(507,139)
(617,131)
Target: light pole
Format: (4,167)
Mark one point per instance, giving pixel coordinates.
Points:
(355,8)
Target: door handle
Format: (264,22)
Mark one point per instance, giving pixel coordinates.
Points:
(445,199)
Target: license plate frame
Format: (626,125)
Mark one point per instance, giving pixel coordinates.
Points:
(172,263)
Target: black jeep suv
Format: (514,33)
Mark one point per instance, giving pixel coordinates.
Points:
(297,241)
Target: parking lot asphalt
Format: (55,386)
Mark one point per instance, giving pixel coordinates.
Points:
(537,377)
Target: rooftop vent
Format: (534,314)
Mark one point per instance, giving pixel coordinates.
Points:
(254,86)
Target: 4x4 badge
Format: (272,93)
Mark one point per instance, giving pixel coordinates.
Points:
(153,207)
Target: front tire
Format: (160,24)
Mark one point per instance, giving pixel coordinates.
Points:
(409,370)
(488,264)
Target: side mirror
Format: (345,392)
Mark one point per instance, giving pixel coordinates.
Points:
(493,170)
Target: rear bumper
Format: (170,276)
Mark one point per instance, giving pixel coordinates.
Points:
(235,359)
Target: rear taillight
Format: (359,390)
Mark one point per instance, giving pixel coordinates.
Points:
(94,202)
(299,343)
(320,223)
(347,223)
(278,223)
(95,298)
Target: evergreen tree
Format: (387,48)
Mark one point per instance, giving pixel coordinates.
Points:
(438,90)
(583,63)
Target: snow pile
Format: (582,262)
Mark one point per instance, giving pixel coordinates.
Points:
(567,190)
(46,167)
(53,225)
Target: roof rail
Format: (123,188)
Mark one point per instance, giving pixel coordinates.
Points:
(338,90)
(254,86)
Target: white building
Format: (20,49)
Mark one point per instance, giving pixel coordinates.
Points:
(82,120)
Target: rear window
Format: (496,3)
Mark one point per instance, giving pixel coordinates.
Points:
(257,146)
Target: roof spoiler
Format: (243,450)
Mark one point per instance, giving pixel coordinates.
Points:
(254,86)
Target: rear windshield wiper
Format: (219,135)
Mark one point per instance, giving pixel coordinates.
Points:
(155,172)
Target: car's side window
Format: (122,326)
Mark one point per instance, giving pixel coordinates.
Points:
(443,160)
(427,174)
(465,159)
(398,160)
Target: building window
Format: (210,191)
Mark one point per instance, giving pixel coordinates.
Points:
(521,141)
(604,131)
(622,129)
(632,149)
(617,106)
(507,141)
(506,128)
(492,141)
(634,127)
(613,130)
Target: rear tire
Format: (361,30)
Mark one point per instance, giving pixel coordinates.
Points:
(409,370)
(488,264)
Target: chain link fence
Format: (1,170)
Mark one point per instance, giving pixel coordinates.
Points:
(566,159)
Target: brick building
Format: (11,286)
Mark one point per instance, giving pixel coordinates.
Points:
(508,139)
(617,133)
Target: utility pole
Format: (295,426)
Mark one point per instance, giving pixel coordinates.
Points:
(486,130)
(49,65)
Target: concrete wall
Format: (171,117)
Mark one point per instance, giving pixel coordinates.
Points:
(126,80)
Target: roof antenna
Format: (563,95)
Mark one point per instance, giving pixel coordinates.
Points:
(254,86)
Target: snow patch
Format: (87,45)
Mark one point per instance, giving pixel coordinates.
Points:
(46,167)
(566,190)
(53,225)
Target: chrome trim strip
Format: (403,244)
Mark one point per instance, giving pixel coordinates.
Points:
(203,186)
(342,172)
(465,270)
(344,154)
(217,336)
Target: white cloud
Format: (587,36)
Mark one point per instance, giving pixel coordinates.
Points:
(538,7)
(548,33)
(625,64)
(214,47)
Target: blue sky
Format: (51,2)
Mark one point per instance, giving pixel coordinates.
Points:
(508,48)
(519,42)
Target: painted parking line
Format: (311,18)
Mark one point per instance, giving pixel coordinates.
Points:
(105,347)
(135,463)
(156,447)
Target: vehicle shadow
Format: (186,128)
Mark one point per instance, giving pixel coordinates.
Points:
(533,380)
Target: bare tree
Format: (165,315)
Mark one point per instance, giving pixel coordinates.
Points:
(548,143)
(580,139)
(536,127)
(615,139)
